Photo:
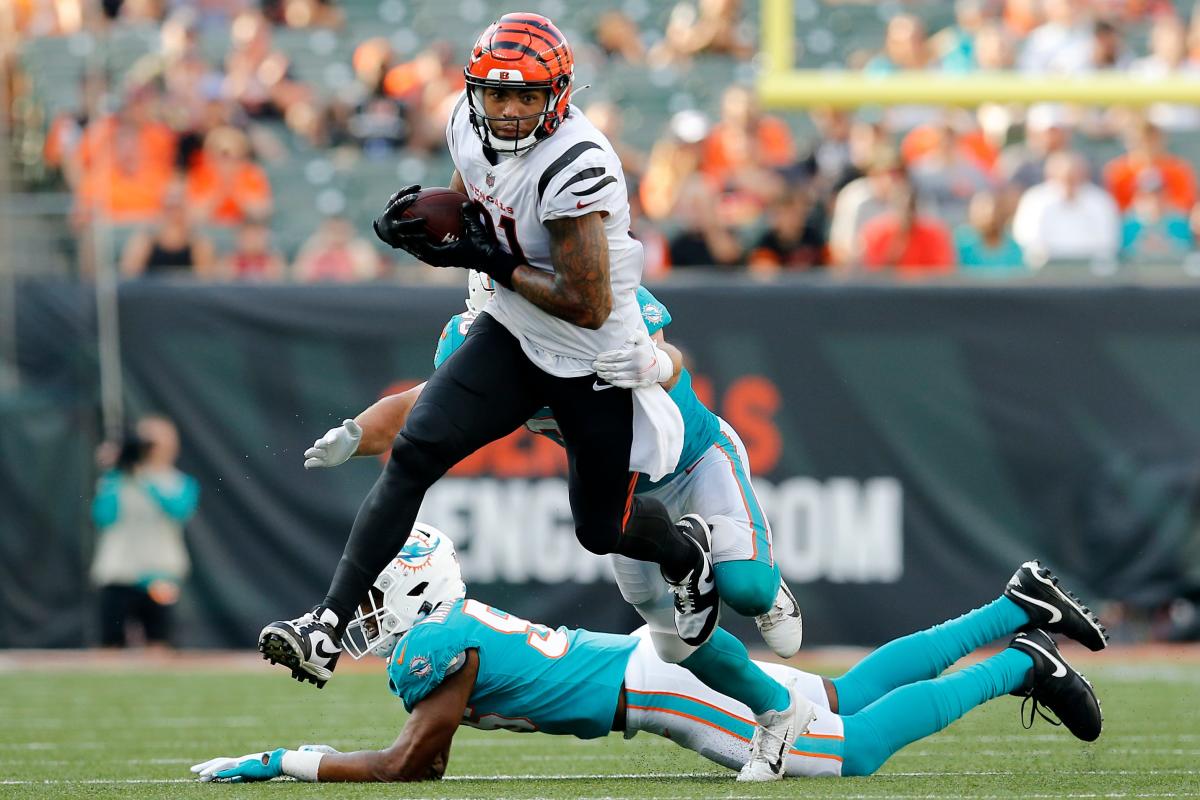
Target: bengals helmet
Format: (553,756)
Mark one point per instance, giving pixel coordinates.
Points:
(520,51)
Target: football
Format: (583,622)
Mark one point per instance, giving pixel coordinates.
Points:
(441,208)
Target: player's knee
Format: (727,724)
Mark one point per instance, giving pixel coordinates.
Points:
(670,647)
(748,587)
(413,461)
(598,537)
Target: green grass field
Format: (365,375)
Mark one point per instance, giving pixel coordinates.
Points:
(100,733)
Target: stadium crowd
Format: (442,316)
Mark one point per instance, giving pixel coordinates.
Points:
(182,150)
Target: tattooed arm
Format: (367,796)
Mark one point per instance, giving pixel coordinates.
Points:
(578,290)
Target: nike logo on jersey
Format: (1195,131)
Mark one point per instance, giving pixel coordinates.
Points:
(585,205)
(597,386)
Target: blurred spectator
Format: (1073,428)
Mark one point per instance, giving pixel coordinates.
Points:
(1168,57)
(949,173)
(60,150)
(335,253)
(607,117)
(379,126)
(258,77)
(1108,48)
(795,238)
(618,36)
(954,47)
(1152,230)
(984,242)
(674,163)
(656,250)
(994,49)
(1047,131)
(705,238)
(136,117)
(1064,43)
(253,258)
(1066,218)
(829,157)
(141,505)
(1021,17)
(906,47)
(714,27)
(745,140)
(905,241)
(860,201)
(123,182)
(225,187)
(173,247)
(867,138)
(427,85)
(1146,150)
(303,13)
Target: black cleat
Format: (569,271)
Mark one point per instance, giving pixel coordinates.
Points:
(697,605)
(1035,589)
(1058,686)
(307,645)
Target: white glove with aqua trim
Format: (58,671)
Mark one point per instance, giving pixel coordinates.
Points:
(252,767)
(335,447)
(637,363)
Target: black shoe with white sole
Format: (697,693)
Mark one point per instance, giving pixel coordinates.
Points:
(697,605)
(1056,685)
(1051,608)
(307,645)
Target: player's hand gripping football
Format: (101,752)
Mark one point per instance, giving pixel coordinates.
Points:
(638,363)
(335,447)
(253,767)
(389,226)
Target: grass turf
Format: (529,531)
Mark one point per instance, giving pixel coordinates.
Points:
(100,734)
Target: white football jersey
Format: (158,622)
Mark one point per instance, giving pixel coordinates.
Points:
(573,172)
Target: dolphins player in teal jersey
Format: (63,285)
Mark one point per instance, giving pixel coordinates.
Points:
(712,480)
(455,661)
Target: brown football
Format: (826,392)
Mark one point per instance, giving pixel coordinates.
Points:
(441,208)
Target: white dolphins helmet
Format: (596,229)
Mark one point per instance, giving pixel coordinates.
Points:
(480,288)
(423,575)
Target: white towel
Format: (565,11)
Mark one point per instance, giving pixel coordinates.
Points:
(657,433)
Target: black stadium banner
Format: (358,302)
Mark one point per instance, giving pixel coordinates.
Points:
(911,446)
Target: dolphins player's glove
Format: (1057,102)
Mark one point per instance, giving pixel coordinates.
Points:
(477,248)
(390,228)
(252,767)
(335,447)
(637,363)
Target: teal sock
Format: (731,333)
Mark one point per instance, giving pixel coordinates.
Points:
(748,587)
(922,709)
(925,654)
(723,665)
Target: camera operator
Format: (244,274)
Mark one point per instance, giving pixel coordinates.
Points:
(142,502)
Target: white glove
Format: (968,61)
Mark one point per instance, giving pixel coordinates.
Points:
(335,447)
(638,363)
(252,767)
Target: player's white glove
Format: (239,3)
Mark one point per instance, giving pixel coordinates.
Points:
(335,447)
(252,767)
(639,362)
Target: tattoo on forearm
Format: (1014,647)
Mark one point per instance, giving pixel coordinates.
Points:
(578,290)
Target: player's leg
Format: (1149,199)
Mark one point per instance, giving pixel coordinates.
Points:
(721,663)
(597,428)
(485,390)
(1032,596)
(748,579)
(114,612)
(667,700)
(1031,666)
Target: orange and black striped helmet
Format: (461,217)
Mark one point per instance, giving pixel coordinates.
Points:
(518,51)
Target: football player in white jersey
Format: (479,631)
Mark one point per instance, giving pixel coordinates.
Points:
(566,267)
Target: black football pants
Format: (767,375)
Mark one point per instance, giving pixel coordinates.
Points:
(485,391)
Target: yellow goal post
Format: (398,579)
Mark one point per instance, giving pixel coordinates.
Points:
(781,85)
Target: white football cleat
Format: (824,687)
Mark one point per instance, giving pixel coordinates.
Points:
(782,627)
(774,737)
(307,645)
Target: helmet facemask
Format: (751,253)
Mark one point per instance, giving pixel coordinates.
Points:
(548,118)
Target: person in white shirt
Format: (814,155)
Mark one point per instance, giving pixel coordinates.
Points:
(1066,217)
(1063,44)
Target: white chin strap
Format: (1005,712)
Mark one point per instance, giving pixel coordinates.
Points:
(505,146)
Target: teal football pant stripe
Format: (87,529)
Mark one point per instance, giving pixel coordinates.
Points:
(922,709)
(723,665)
(925,654)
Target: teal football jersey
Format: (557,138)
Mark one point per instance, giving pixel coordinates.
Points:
(700,426)
(531,678)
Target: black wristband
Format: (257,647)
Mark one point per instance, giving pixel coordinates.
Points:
(501,271)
